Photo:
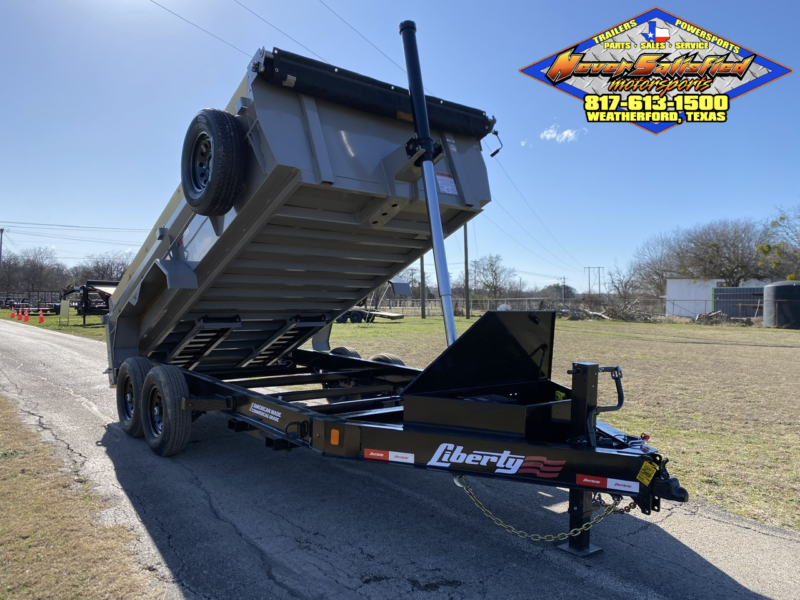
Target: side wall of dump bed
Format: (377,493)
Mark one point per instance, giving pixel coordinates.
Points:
(333,207)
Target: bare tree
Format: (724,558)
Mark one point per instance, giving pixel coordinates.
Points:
(726,249)
(783,255)
(109,266)
(39,270)
(9,272)
(654,261)
(622,284)
(492,276)
(623,291)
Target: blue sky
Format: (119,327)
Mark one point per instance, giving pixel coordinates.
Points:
(96,96)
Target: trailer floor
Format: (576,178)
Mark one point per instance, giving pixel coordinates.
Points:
(230,519)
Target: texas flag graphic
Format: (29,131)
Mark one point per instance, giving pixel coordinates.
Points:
(655,34)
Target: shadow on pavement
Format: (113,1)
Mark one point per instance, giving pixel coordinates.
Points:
(234,520)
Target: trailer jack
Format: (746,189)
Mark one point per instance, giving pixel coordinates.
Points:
(580,522)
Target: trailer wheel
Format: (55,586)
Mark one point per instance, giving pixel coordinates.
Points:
(166,424)
(342,351)
(345,351)
(370,317)
(356,316)
(212,162)
(343,318)
(130,380)
(389,359)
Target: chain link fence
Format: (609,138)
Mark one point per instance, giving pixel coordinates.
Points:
(433,306)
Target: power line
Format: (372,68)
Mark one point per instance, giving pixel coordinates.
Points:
(56,226)
(538,274)
(79,239)
(200,28)
(535,214)
(10,241)
(258,16)
(517,241)
(342,19)
(566,265)
(368,41)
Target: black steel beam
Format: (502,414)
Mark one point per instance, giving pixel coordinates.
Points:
(333,392)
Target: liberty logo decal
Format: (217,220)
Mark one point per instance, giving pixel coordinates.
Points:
(503,462)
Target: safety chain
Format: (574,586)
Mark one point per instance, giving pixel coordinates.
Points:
(597,499)
(461,481)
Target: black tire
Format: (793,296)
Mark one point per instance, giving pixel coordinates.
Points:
(356,316)
(389,359)
(130,380)
(166,425)
(343,318)
(370,317)
(213,162)
(345,351)
(342,351)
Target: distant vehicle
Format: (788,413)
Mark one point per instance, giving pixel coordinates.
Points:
(94,297)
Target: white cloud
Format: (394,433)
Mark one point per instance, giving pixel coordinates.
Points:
(568,135)
(550,133)
(523,143)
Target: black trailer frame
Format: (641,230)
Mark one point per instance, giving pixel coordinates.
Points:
(517,424)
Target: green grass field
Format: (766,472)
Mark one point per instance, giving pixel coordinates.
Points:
(721,402)
(74,325)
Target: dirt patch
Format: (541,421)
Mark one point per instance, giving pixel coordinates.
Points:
(52,546)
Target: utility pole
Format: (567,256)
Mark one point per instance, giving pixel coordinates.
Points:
(563,290)
(1,245)
(599,271)
(422,286)
(466,274)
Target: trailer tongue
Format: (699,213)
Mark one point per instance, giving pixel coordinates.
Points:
(313,189)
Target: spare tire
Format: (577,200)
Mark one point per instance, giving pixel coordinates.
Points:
(213,162)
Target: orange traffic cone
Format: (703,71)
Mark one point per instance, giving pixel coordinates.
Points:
(41,316)
(27,318)
(19,315)
(13,313)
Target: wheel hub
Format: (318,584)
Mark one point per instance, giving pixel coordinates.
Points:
(128,406)
(156,413)
(200,167)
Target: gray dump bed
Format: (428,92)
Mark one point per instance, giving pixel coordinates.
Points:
(333,207)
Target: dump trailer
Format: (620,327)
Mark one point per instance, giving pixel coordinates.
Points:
(312,189)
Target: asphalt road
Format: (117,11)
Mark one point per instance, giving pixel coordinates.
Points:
(228,518)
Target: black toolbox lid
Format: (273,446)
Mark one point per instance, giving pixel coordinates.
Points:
(321,80)
(502,347)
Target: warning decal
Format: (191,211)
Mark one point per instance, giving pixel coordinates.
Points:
(447,185)
(646,473)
